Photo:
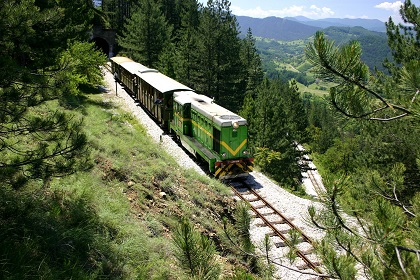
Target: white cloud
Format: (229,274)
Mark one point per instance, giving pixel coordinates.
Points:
(321,12)
(356,17)
(311,12)
(394,6)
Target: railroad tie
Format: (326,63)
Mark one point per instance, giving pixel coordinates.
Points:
(260,206)
(269,213)
(279,222)
(280,244)
(308,252)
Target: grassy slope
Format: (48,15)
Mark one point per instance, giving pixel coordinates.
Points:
(110,221)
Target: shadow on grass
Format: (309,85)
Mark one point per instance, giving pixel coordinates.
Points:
(52,237)
(78,101)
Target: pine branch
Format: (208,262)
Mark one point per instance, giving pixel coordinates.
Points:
(401,204)
(336,211)
(326,57)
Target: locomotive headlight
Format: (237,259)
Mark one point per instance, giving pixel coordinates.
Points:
(245,152)
(235,125)
(224,155)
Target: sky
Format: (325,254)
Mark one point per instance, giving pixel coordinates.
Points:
(318,9)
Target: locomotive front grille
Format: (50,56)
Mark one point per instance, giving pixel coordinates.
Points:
(228,170)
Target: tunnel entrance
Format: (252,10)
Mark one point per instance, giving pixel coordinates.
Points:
(101,44)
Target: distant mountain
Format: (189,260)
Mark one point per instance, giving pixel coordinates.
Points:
(290,29)
(374,44)
(369,24)
(276,28)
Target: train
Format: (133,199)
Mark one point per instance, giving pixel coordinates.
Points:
(207,130)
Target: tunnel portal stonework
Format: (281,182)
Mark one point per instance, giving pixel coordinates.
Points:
(105,39)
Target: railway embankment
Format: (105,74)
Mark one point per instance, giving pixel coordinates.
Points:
(293,207)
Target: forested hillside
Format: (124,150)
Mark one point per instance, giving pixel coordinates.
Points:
(297,28)
(286,59)
(369,24)
(374,45)
(276,28)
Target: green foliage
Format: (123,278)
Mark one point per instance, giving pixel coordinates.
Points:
(374,44)
(243,222)
(264,157)
(39,140)
(186,41)
(341,265)
(323,125)
(195,252)
(252,63)
(57,237)
(115,12)
(380,159)
(358,94)
(219,69)
(276,120)
(378,228)
(403,38)
(145,33)
(81,62)
(293,240)
(240,275)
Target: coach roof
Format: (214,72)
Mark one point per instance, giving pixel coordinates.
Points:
(121,59)
(162,83)
(134,67)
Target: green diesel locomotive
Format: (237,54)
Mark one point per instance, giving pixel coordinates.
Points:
(205,129)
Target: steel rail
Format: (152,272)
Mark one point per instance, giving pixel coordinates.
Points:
(308,262)
(314,182)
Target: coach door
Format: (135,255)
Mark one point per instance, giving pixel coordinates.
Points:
(136,87)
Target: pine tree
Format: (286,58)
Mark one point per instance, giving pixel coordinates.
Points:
(37,142)
(217,63)
(195,252)
(117,11)
(145,34)
(186,43)
(274,140)
(252,63)
(362,95)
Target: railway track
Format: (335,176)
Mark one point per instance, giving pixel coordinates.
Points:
(318,188)
(283,233)
(272,218)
